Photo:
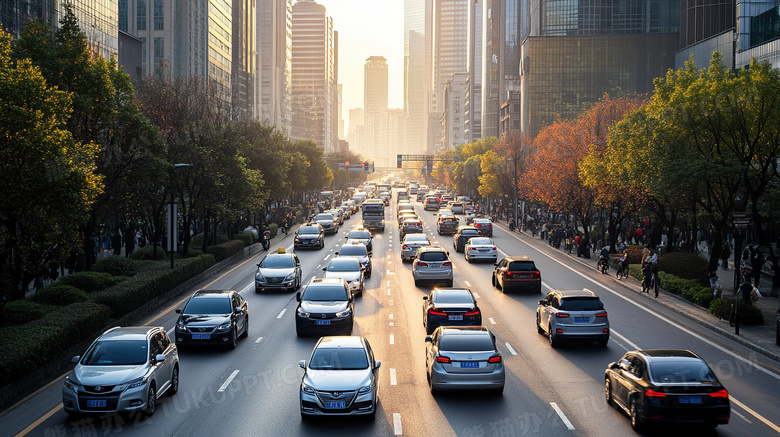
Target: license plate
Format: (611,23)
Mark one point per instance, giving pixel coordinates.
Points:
(335,404)
(484,250)
(456,317)
(96,403)
(581,319)
(469,364)
(322,322)
(201,336)
(522,276)
(689,399)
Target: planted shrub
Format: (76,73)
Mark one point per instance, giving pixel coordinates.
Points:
(226,250)
(748,315)
(197,239)
(274,228)
(59,295)
(147,252)
(19,312)
(684,265)
(115,265)
(247,238)
(89,281)
(24,349)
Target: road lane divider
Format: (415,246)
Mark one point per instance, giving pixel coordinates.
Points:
(284,310)
(492,322)
(228,381)
(259,339)
(393,380)
(392,339)
(468,284)
(511,349)
(397,430)
(563,417)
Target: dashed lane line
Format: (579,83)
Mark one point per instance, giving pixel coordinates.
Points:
(492,322)
(562,416)
(393,380)
(397,424)
(392,339)
(284,310)
(259,339)
(511,349)
(228,381)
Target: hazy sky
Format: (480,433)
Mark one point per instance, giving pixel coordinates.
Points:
(368,28)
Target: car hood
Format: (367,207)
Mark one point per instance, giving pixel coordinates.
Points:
(324,222)
(107,375)
(276,272)
(332,306)
(347,276)
(204,319)
(337,380)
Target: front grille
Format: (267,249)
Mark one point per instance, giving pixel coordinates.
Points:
(329,396)
(274,280)
(99,388)
(201,329)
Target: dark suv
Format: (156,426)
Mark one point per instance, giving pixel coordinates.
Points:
(517,272)
(462,235)
(326,305)
(212,317)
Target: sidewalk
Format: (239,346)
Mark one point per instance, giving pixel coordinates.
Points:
(758,338)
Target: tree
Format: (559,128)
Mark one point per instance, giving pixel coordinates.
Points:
(318,175)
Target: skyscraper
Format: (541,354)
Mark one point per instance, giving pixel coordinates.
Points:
(472,115)
(273,92)
(415,79)
(244,59)
(375,84)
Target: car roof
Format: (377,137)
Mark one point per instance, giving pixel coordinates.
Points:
(432,248)
(467,228)
(212,293)
(464,330)
(129,332)
(325,281)
(668,354)
(481,219)
(518,258)
(575,293)
(345,341)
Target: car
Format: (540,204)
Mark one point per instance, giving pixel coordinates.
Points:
(444,212)
(407,215)
(457,208)
(483,225)
(385,196)
(480,248)
(420,195)
(212,317)
(309,235)
(432,264)
(341,378)
(572,314)
(450,307)
(346,211)
(338,214)
(431,204)
(666,386)
(325,305)
(411,243)
(411,226)
(462,235)
(349,269)
(361,235)
(278,271)
(404,207)
(517,273)
(402,195)
(447,225)
(329,223)
(125,370)
(351,204)
(360,251)
(464,358)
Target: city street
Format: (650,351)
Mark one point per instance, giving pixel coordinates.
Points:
(254,389)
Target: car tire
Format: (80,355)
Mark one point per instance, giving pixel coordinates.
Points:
(498,391)
(539,325)
(553,341)
(258,290)
(151,401)
(428,329)
(449,283)
(416,283)
(305,417)
(298,284)
(604,342)
(174,387)
(636,422)
(233,339)
(245,334)
(608,391)
(467,258)
(493,281)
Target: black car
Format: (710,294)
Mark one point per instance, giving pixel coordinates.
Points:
(325,306)
(665,386)
(364,236)
(450,307)
(309,235)
(212,317)
(329,223)
(462,235)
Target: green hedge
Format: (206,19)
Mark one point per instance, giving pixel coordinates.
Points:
(115,265)
(688,289)
(226,250)
(78,321)
(197,239)
(89,281)
(145,286)
(274,228)
(685,265)
(60,295)
(751,315)
(247,238)
(147,252)
(19,312)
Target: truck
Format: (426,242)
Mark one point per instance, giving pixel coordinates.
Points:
(374,215)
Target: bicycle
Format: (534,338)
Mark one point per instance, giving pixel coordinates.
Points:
(651,281)
(622,271)
(603,265)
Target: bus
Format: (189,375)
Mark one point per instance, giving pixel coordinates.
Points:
(374,215)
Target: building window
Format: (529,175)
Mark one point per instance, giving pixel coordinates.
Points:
(159,52)
(123,15)
(141,15)
(143,54)
(158,15)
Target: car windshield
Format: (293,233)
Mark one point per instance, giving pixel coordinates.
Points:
(469,232)
(277,262)
(362,235)
(208,305)
(344,265)
(339,359)
(482,221)
(324,217)
(308,230)
(433,256)
(581,304)
(449,220)
(521,266)
(416,238)
(481,241)
(466,343)
(356,250)
(324,293)
(681,371)
(454,296)
(117,353)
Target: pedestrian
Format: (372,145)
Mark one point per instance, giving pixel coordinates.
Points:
(717,289)
(756,263)
(725,254)
(775,273)
(266,239)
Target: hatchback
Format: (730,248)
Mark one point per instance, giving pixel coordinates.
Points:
(517,272)
(347,268)
(340,379)
(325,305)
(464,358)
(124,370)
(411,243)
(212,317)
(450,306)
(462,235)
(484,226)
(411,226)
(572,314)
(480,248)
(665,386)
(432,264)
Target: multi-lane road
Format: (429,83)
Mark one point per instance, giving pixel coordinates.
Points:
(253,390)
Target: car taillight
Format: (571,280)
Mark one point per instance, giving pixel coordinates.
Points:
(495,359)
(441,359)
(654,394)
(604,314)
(470,247)
(447,263)
(563,315)
(507,274)
(536,275)
(476,225)
(419,223)
(474,312)
(421,263)
(436,312)
(494,248)
(720,394)
(404,247)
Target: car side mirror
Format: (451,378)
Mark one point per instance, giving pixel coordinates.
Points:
(351,298)
(425,297)
(178,310)
(613,365)
(238,310)
(337,254)
(378,363)
(258,264)
(324,269)
(302,363)
(496,264)
(428,339)
(75,359)
(543,302)
(159,358)
(298,296)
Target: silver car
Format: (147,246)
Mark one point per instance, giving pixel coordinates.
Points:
(480,248)
(125,370)
(464,358)
(360,251)
(572,314)
(349,269)
(411,243)
(340,379)
(432,264)
(278,271)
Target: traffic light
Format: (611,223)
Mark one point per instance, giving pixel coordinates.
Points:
(430,166)
(347,163)
(399,161)
(365,166)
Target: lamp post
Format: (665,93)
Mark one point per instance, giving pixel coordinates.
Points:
(172,213)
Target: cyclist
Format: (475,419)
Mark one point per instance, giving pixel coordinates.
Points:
(604,259)
(623,265)
(649,270)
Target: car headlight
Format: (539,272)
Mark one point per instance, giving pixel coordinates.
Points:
(297,240)
(181,326)
(137,382)
(70,384)
(223,327)
(259,276)
(365,389)
(307,389)
(344,313)
(302,313)
(290,277)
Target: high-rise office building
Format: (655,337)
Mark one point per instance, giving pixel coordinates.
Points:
(416,81)
(244,59)
(273,90)
(454,101)
(472,116)
(313,75)
(341,133)
(375,84)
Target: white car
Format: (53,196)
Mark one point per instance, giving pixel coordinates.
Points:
(411,243)
(349,269)
(480,248)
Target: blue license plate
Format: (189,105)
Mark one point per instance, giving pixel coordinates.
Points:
(335,404)
(201,336)
(96,403)
(689,400)
(322,322)
(581,319)
(456,317)
(469,364)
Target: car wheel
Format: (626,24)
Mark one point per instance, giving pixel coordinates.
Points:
(305,417)
(553,340)
(428,329)
(608,391)
(298,284)
(258,290)
(636,423)
(493,280)
(416,283)
(539,325)
(498,391)
(298,332)
(174,381)
(603,342)
(151,401)
(245,334)
(449,283)
(233,339)
(467,258)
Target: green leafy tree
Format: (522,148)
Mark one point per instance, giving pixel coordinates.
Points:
(318,174)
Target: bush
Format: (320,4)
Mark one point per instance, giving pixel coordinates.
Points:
(274,228)
(699,295)
(147,252)
(89,281)
(197,239)
(19,312)
(115,265)
(751,315)
(59,295)
(226,250)
(78,321)
(246,238)
(676,285)
(634,254)
(685,265)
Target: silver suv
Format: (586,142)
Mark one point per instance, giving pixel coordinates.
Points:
(124,370)
(432,264)
(572,314)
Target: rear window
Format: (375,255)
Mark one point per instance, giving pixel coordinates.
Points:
(681,371)
(466,343)
(521,266)
(433,256)
(353,251)
(454,296)
(581,304)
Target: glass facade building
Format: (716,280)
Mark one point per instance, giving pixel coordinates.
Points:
(273,90)
(415,80)
(603,17)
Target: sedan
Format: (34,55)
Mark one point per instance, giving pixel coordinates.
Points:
(278,271)
(407,215)
(212,317)
(450,306)
(484,226)
(665,386)
(432,264)
(462,235)
(411,243)
(480,248)
(325,305)
(310,235)
(572,314)
(411,226)
(360,251)
(349,269)
(340,379)
(364,236)
(464,358)
(329,223)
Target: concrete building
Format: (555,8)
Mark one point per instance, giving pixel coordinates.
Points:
(375,90)
(273,90)
(472,115)
(244,59)
(452,119)
(416,82)
(511,110)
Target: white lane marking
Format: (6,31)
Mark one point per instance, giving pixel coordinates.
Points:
(318,266)
(501,252)
(756,415)
(388,283)
(475,293)
(389,262)
(511,350)
(630,343)
(546,286)
(388,256)
(388,271)
(169,332)
(392,339)
(468,284)
(228,381)
(624,347)
(326,257)
(388,292)
(393,380)
(492,322)
(246,289)
(289,248)
(562,416)
(397,424)
(259,339)
(391,302)
(742,416)
(390,316)
(284,310)
(392,323)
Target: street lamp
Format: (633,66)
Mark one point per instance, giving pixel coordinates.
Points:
(172,213)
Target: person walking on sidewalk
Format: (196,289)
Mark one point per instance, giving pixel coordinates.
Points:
(725,253)
(756,263)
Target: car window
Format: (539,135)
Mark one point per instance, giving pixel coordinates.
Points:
(581,304)
(415,238)
(208,305)
(357,250)
(360,234)
(117,353)
(339,359)
(466,343)
(324,217)
(432,256)
(324,293)
(469,232)
(522,266)
(277,262)
(344,265)
(155,345)
(454,296)
(166,341)
(481,241)
(681,371)
(308,230)
(637,367)
(554,302)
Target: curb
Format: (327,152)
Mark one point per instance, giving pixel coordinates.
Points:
(717,329)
